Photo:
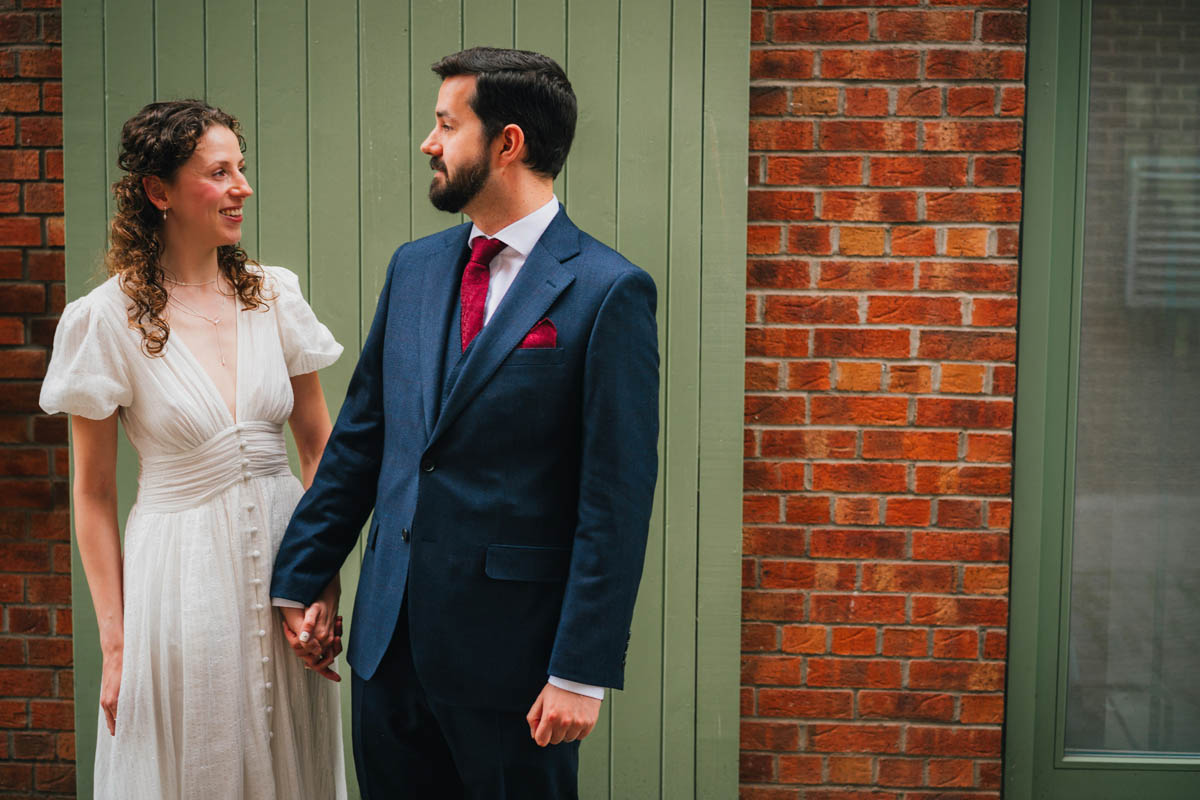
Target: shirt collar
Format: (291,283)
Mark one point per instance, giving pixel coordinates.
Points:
(523,234)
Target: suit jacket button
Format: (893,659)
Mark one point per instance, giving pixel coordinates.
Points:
(404,534)
(427,465)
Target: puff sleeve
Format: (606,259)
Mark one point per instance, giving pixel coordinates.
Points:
(88,375)
(307,344)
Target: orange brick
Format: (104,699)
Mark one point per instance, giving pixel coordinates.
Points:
(971,101)
(925,26)
(962,378)
(869,206)
(808,375)
(866,102)
(815,170)
(910,310)
(910,378)
(820,26)
(810,239)
(908,511)
(781,64)
(919,101)
(996,448)
(872,275)
(914,241)
(849,410)
(871,64)
(919,171)
(856,511)
(804,638)
(854,376)
(967,242)
(814,100)
(854,241)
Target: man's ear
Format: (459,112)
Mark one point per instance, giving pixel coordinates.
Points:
(511,145)
(156,190)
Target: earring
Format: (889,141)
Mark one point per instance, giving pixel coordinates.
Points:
(164,215)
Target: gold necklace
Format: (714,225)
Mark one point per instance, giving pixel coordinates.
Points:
(214,321)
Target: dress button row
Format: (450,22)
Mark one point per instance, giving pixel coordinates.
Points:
(255,554)
(267,685)
(250,507)
(256,581)
(266,659)
(270,709)
(262,633)
(252,531)
(258,606)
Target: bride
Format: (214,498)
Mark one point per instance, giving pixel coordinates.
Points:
(203,356)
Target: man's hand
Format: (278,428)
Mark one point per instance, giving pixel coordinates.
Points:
(561,716)
(298,625)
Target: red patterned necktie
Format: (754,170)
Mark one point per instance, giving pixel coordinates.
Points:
(473,292)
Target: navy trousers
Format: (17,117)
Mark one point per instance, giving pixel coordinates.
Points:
(409,746)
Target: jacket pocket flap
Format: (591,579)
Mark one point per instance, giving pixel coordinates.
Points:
(508,562)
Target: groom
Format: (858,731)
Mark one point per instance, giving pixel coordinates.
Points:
(502,422)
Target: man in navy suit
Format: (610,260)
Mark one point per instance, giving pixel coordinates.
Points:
(502,422)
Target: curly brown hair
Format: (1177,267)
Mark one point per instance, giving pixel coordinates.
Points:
(156,142)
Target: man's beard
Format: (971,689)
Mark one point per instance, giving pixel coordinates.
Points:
(458,190)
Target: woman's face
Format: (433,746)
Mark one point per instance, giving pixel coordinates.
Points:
(206,197)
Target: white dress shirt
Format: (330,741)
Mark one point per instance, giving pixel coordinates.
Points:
(519,238)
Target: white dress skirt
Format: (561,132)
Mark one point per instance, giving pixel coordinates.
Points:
(213,703)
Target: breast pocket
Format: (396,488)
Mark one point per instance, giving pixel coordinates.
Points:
(535,357)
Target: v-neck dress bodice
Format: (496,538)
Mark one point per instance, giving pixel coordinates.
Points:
(212,702)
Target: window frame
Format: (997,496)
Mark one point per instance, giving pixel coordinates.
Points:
(1035,764)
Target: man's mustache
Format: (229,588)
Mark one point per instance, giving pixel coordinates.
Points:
(435,163)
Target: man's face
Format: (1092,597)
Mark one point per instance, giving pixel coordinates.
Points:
(457,153)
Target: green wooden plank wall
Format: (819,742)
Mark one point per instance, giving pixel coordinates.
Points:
(334,99)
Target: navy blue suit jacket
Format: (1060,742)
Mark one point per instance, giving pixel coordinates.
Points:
(514,507)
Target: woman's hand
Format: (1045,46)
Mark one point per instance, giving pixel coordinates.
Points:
(316,637)
(110,687)
(317,630)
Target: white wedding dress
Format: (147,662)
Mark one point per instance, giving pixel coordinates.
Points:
(213,703)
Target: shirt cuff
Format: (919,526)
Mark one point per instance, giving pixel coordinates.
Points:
(587,690)
(285,603)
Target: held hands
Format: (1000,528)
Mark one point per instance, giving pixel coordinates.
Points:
(561,716)
(315,633)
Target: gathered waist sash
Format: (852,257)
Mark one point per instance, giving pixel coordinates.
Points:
(186,480)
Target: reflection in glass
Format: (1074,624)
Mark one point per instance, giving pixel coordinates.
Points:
(1133,671)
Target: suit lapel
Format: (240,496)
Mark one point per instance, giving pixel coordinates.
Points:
(539,283)
(439,288)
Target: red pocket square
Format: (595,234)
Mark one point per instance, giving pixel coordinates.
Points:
(544,334)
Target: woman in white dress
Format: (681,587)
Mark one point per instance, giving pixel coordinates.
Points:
(203,357)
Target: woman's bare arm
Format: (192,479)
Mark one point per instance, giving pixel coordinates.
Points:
(94,497)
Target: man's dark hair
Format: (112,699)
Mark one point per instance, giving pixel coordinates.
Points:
(522,88)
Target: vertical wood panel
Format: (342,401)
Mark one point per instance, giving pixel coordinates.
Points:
(642,203)
(722,345)
(336,99)
(385,142)
(179,50)
(334,284)
(590,197)
(232,85)
(488,23)
(681,400)
(541,25)
(87,187)
(282,154)
(436,27)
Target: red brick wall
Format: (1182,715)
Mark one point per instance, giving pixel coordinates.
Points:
(37,745)
(884,207)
